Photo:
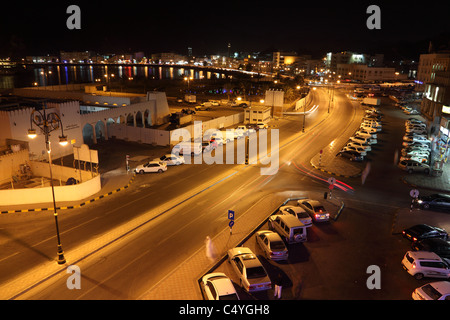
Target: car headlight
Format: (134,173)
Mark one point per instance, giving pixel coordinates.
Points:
(419,201)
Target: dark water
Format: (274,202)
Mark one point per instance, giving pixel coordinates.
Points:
(28,76)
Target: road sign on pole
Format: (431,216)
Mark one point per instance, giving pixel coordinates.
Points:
(231,214)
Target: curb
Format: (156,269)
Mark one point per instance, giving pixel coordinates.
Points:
(74,206)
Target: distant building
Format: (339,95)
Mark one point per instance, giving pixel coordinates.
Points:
(333,60)
(168,58)
(75,56)
(364,73)
(428,65)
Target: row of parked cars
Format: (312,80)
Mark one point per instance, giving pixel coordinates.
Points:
(288,226)
(406,108)
(416,147)
(429,257)
(361,142)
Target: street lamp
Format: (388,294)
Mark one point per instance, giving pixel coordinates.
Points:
(48,122)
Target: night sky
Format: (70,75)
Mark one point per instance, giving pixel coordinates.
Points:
(313,27)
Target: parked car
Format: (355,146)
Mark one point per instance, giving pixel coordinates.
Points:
(299,213)
(415,137)
(217,286)
(360,150)
(369,138)
(252,275)
(416,130)
(171,159)
(262,125)
(364,140)
(370,130)
(152,166)
(364,145)
(411,166)
(315,210)
(434,201)
(439,246)
(410,144)
(422,264)
(288,227)
(418,158)
(272,245)
(420,232)
(351,155)
(439,290)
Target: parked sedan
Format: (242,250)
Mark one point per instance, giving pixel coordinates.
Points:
(315,210)
(152,166)
(411,166)
(439,246)
(360,150)
(439,290)
(434,201)
(272,245)
(351,155)
(171,159)
(251,273)
(217,286)
(299,213)
(419,232)
(418,158)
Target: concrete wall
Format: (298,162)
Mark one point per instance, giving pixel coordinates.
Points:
(44,195)
(90,185)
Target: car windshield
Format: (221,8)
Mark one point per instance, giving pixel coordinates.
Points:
(431,292)
(277,245)
(256,272)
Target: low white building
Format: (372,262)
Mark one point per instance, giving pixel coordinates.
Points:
(79,126)
(257,114)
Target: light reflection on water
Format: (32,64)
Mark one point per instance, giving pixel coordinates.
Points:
(65,74)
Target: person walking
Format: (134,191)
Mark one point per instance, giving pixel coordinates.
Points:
(210,252)
(278,282)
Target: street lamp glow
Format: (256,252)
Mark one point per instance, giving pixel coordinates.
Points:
(63,140)
(32,133)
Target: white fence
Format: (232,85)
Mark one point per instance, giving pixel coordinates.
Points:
(162,137)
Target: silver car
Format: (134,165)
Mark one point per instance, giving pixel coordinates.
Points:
(252,275)
(272,245)
(217,286)
(315,210)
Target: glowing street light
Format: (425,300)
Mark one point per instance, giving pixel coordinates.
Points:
(48,122)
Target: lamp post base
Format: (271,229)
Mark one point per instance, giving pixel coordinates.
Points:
(61,259)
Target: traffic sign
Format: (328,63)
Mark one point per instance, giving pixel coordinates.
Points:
(331,186)
(331,180)
(231,223)
(231,214)
(414,193)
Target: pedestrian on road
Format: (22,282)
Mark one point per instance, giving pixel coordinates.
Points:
(210,251)
(278,282)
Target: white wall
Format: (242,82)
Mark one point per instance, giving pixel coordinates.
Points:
(44,195)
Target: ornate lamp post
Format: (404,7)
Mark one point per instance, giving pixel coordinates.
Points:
(48,122)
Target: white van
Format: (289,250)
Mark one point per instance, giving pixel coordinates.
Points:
(186,147)
(288,227)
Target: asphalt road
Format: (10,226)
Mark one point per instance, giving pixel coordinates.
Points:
(170,228)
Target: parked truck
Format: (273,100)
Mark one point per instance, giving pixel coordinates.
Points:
(190,98)
(371,101)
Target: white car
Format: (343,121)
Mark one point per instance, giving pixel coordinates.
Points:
(272,245)
(372,133)
(439,290)
(416,130)
(171,159)
(373,126)
(152,166)
(418,138)
(422,144)
(364,145)
(422,264)
(418,158)
(416,153)
(360,150)
(315,209)
(299,213)
(252,275)
(217,286)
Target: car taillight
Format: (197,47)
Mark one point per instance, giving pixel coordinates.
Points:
(414,239)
